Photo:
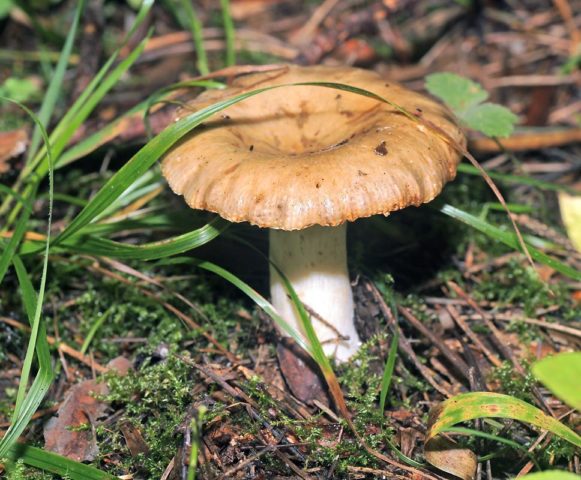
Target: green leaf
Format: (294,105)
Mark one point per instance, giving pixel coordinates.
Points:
(560,374)
(19,89)
(5,7)
(457,92)
(551,475)
(469,406)
(491,119)
(465,98)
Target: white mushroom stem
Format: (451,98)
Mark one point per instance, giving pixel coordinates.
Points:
(315,262)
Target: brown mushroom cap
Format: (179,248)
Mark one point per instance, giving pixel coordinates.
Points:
(298,156)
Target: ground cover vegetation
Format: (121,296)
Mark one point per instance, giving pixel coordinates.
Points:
(136,337)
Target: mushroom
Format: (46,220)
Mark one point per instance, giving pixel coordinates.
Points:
(303,161)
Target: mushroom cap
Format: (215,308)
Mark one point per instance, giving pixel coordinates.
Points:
(297,156)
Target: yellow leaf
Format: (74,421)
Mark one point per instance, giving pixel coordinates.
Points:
(570,206)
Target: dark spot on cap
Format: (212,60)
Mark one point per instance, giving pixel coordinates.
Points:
(347,113)
(419,110)
(342,142)
(318,185)
(381,149)
(361,173)
(226,117)
(338,96)
(251,148)
(387,85)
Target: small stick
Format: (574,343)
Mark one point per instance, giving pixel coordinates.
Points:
(62,347)
(452,357)
(472,336)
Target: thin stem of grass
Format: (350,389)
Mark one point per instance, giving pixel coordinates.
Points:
(196,29)
(229,33)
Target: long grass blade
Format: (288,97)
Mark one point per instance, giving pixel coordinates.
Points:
(149,251)
(45,374)
(260,301)
(508,238)
(388,370)
(469,406)
(54,89)
(196,28)
(57,464)
(28,198)
(229,33)
(518,179)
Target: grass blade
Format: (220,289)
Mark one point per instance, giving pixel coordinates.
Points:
(57,464)
(28,198)
(508,238)
(196,28)
(388,370)
(54,89)
(45,374)
(522,180)
(149,251)
(228,32)
(260,301)
(469,406)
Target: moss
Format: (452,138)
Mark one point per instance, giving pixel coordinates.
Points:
(517,284)
(513,383)
(154,400)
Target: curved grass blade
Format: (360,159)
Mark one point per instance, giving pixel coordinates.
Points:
(521,180)
(54,89)
(260,301)
(495,438)
(508,238)
(149,251)
(28,198)
(57,464)
(28,403)
(35,324)
(469,406)
(112,129)
(551,475)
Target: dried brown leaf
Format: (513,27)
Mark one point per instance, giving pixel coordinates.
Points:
(81,407)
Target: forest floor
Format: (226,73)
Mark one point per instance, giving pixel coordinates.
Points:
(178,357)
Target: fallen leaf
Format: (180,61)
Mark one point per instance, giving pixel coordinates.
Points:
(65,433)
(12,144)
(300,372)
(448,457)
(570,207)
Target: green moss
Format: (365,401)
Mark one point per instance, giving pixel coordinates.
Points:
(154,400)
(517,284)
(513,383)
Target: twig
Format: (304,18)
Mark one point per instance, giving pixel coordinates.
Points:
(472,336)
(452,357)
(62,347)
(528,141)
